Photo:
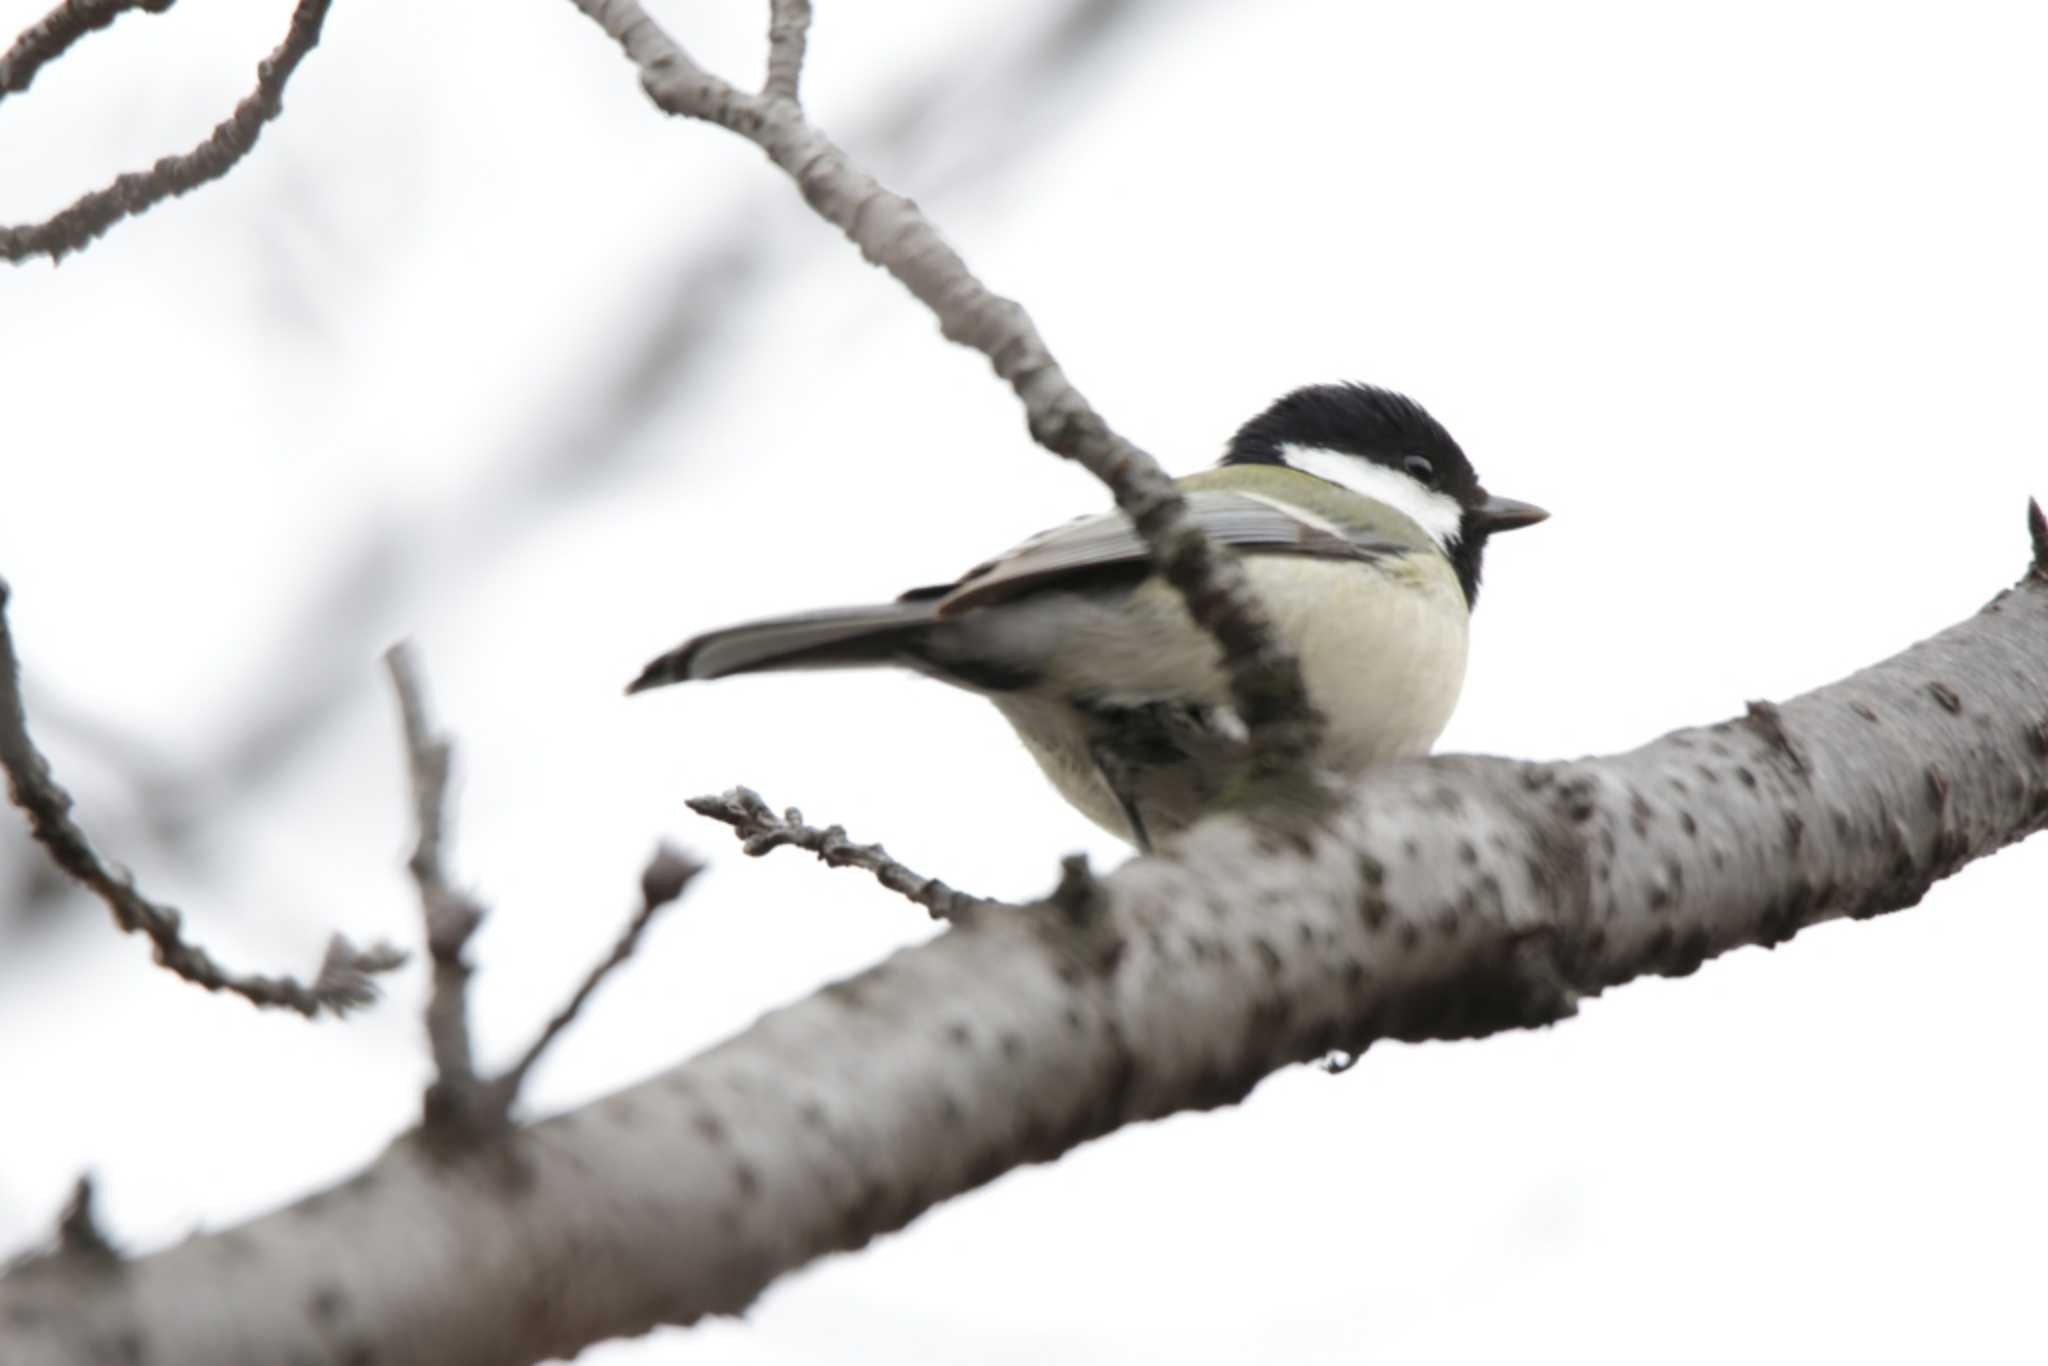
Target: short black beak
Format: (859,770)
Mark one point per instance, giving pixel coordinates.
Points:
(1506,514)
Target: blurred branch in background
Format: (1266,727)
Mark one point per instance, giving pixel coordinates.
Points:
(967,118)
(344,979)
(169,801)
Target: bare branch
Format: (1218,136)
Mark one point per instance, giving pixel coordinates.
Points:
(455,1106)
(78,1228)
(1443,898)
(80,1245)
(789,26)
(761,830)
(671,78)
(91,214)
(463,1110)
(2037,532)
(666,877)
(344,981)
(51,36)
(1266,686)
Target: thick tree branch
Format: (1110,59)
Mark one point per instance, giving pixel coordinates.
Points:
(51,36)
(1442,898)
(761,830)
(344,979)
(91,214)
(1266,686)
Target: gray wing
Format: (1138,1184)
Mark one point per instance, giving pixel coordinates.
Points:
(1109,541)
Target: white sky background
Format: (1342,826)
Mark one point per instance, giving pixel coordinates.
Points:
(1751,297)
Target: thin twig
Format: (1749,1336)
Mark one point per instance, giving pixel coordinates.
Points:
(78,1228)
(789,26)
(761,830)
(668,873)
(344,980)
(92,213)
(462,1109)
(1265,680)
(452,1100)
(51,36)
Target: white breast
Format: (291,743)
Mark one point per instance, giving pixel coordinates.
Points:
(1383,653)
(1382,648)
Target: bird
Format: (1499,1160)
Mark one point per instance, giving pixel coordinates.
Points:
(1361,525)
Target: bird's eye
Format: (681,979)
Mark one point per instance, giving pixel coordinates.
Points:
(1420,468)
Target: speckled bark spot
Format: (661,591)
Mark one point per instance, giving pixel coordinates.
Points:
(1268,956)
(326,1303)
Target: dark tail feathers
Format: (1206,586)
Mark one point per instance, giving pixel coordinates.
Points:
(841,638)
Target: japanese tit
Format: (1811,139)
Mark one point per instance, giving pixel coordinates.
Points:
(1361,525)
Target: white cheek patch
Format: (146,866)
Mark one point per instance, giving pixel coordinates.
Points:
(1436,513)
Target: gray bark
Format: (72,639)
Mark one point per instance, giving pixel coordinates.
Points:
(1440,898)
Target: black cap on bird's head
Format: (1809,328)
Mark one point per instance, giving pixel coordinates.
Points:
(1385,446)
